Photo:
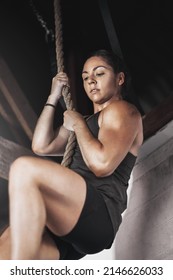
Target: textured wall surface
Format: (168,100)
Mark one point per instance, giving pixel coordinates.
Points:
(147,228)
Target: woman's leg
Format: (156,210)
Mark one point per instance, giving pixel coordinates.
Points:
(41,193)
(47,251)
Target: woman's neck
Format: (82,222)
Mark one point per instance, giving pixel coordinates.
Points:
(100,107)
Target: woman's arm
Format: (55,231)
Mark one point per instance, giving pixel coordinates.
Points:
(120,125)
(46,141)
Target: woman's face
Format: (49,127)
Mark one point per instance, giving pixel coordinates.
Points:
(100,82)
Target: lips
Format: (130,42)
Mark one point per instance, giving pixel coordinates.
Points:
(93,90)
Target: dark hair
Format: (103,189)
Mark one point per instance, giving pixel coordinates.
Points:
(116,63)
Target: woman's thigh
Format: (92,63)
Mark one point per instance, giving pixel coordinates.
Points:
(93,231)
(63,191)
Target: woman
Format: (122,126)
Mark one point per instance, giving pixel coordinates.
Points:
(66,213)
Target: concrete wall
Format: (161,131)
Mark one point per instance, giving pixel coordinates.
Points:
(147,228)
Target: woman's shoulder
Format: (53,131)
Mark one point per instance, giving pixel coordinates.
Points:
(124,116)
(122,108)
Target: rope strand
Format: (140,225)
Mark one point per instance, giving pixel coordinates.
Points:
(67,158)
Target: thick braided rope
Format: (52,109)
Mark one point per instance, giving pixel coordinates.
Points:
(66,91)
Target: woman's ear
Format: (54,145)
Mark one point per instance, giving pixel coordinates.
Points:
(121,78)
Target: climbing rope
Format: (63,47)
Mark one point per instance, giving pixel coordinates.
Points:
(49,34)
(67,158)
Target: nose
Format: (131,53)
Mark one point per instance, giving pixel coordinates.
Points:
(91,80)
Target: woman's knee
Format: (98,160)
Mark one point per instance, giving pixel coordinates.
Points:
(20,170)
(20,164)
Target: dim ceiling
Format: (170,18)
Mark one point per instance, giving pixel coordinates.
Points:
(144,30)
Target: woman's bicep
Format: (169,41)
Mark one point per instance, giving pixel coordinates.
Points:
(117,142)
(117,137)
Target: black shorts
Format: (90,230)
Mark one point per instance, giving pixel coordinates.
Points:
(93,231)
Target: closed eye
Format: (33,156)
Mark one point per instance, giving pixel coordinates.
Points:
(85,78)
(96,75)
(99,74)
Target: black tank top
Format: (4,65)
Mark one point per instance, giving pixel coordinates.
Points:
(113,187)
